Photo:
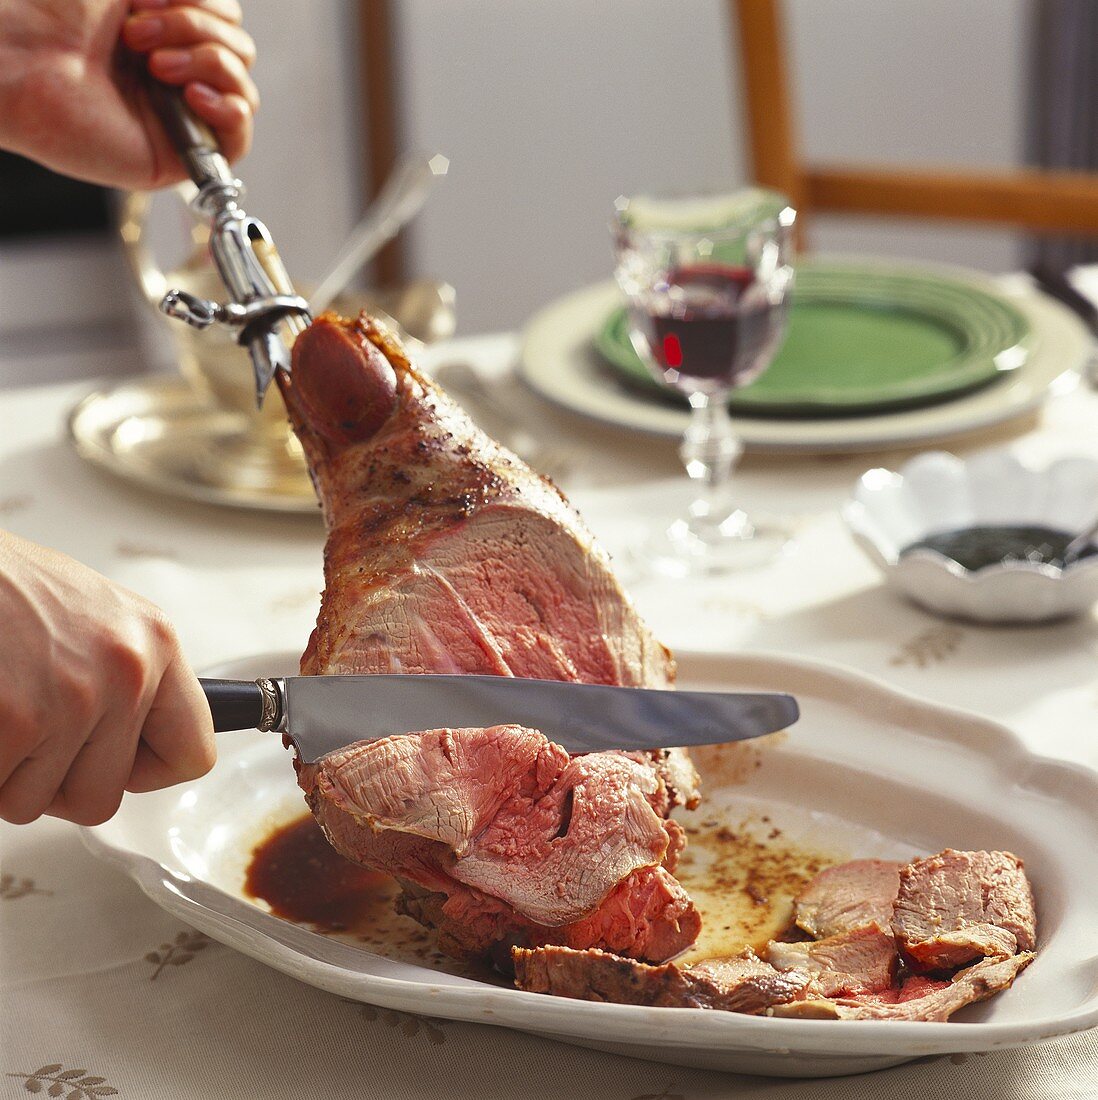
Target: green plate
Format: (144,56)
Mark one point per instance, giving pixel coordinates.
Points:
(865,338)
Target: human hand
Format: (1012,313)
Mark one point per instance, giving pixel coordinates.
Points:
(73,87)
(96,697)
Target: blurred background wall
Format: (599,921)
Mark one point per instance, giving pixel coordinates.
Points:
(547,112)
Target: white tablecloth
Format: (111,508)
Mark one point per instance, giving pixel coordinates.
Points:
(97,979)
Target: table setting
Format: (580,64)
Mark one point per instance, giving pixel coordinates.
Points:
(835,416)
(160,921)
(680,686)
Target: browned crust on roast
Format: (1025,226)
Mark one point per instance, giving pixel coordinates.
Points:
(745,984)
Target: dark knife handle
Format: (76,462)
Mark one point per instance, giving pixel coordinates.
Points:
(194,141)
(243,704)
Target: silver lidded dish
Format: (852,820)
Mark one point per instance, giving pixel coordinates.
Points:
(936,495)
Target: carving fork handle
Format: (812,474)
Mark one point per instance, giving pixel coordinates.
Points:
(194,141)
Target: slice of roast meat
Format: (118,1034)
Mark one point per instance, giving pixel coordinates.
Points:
(742,984)
(847,897)
(955,907)
(850,963)
(854,973)
(919,998)
(446,554)
(524,843)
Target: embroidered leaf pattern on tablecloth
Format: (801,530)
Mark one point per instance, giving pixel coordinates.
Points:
(127,549)
(73,1084)
(18,503)
(931,647)
(407,1024)
(12,887)
(184,948)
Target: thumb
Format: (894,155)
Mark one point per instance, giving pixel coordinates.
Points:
(177,740)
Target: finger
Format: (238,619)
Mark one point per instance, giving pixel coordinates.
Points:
(223,9)
(185,26)
(210,64)
(21,734)
(228,114)
(92,789)
(39,741)
(34,783)
(177,739)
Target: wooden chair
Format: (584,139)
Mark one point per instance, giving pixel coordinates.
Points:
(1038,200)
(380,96)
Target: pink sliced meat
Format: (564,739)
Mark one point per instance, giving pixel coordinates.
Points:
(505,821)
(862,961)
(919,998)
(847,897)
(955,907)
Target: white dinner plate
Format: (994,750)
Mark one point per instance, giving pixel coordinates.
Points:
(559,361)
(867,771)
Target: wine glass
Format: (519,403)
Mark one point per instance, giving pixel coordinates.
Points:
(708,282)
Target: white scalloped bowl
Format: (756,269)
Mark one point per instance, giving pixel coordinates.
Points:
(937,492)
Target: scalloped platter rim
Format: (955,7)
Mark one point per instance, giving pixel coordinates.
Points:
(882,773)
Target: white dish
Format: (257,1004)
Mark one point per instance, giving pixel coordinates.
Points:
(937,492)
(559,362)
(867,771)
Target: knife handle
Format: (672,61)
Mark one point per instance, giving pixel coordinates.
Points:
(243,704)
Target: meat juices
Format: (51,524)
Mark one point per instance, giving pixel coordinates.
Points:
(446,554)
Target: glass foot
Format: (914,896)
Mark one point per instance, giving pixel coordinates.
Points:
(688,549)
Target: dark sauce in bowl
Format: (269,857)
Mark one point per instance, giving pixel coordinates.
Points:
(978,547)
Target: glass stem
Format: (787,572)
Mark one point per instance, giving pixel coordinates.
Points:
(709,451)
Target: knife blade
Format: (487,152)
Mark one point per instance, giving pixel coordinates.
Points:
(321,714)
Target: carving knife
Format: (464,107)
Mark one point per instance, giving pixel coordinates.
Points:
(321,714)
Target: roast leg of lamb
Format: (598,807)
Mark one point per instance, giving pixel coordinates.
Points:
(446,554)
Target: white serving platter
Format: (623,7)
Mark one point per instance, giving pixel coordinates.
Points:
(868,771)
(559,362)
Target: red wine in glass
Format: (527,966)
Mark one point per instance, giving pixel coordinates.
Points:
(709,326)
(707,312)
